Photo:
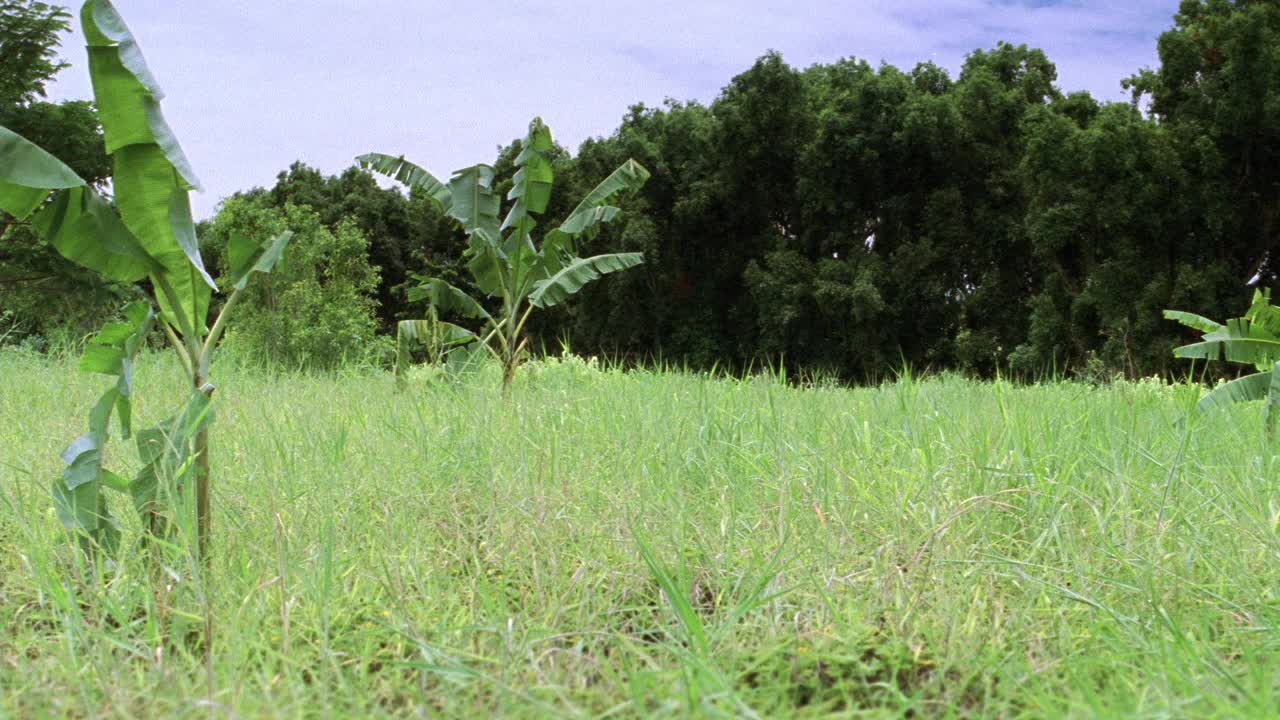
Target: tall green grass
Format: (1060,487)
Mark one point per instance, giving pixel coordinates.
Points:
(661,544)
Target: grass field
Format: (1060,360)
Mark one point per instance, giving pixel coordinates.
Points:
(646,544)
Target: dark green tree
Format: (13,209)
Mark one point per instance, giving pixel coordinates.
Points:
(29,42)
(1218,91)
(41,292)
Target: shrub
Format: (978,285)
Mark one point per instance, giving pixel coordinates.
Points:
(317,310)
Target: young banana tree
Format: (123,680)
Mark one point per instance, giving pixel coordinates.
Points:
(1251,340)
(503,257)
(147,233)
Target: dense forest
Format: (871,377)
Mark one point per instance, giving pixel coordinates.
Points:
(844,218)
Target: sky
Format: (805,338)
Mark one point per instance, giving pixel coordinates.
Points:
(253,85)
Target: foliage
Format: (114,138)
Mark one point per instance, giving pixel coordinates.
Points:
(1217,89)
(404,233)
(1250,340)
(147,232)
(45,295)
(848,216)
(512,268)
(29,33)
(80,493)
(317,310)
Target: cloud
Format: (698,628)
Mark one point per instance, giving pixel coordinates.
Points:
(255,85)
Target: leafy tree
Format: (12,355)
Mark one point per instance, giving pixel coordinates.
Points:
(29,33)
(1218,90)
(670,306)
(1113,220)
(316,310)
(723,193)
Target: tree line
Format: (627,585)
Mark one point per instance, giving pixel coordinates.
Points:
(843,218)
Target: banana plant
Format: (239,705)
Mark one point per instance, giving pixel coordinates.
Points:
(1250,340)
(503,258)
(144,232)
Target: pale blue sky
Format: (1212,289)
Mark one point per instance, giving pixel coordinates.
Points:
(255,84)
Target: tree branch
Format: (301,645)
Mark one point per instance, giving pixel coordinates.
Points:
(29,278)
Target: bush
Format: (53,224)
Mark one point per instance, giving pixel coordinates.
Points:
(317,310)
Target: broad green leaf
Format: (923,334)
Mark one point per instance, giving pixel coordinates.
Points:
(83,511)
(522,265)
(426,331)
(125,92)
(591,211)
(77,495)
(156,209)
(112,352)
(113,333)
(113,481)
(168,438)
(555,255)
(490,269)
(531,188)
(436,335)
(246,257)
(1193,321)
(141,317)
(84,461)
(28,174)
(1252,351)
(558,250)
(1245,389)
(77,506)
(590,218)
(84,229)
(465,356)
(413,330)
(406,172)
(100,415)
(475,205)
(520,233)
(166,451)
(151,175)
(184,230)
(103,359)
(448,299)
(538,140)
(1263,314)
(452,335)
(124,405)
(578,273)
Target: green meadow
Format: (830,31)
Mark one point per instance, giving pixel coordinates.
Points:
(657,544)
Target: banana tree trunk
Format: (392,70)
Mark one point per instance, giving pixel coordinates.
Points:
(509,373)
(204,513)
(515,348)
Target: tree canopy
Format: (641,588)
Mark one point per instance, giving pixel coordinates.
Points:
(848,217)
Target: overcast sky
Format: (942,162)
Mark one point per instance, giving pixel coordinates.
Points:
(255,84)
